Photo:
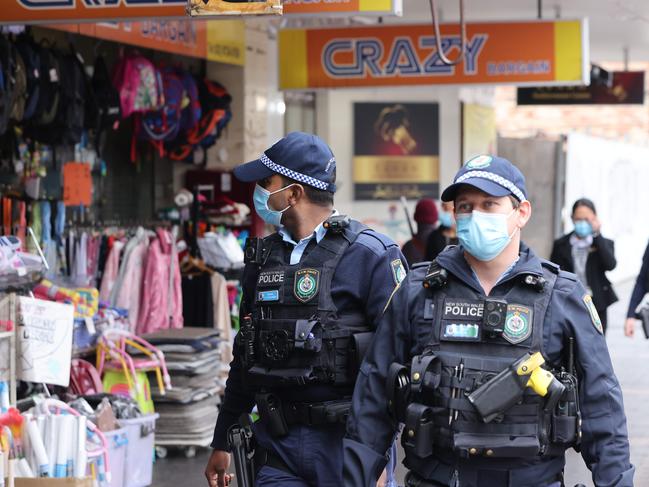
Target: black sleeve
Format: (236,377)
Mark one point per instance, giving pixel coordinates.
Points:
(238,399)
(606,252)
(641,285)
(556,256)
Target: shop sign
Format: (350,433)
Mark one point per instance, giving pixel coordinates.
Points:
(342,7)
(396,151)
(540,53)
(222,41)
(35,11)
(627,88)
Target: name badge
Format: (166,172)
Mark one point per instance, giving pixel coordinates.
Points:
(268,296)
(270,278)
(464,332)
(463,309)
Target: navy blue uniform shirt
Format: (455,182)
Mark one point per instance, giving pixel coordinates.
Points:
(605,446)
(364,280)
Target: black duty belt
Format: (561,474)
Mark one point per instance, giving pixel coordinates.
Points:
(443,477)
(316,414)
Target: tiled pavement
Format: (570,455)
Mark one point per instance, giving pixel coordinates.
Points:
(630,358)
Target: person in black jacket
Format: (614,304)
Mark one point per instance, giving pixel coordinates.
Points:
(589,255)
(443,235)
(639,290)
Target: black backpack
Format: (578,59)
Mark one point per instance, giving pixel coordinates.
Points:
(31,57)
(7,82)
(108,110)
(74,87)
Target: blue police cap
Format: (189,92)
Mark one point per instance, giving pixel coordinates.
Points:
(493,175)
(302,157)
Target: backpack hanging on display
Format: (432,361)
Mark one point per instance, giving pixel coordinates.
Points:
(74,95)
(7,83)
(49,100)
(19,95)
(215,105)
(31,59)
(139,85)
(107,100)
(163,125)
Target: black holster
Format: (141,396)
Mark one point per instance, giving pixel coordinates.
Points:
(243,446)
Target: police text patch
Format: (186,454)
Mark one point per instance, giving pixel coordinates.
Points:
(518,324)
(270,278)
(594,315)
(463,309)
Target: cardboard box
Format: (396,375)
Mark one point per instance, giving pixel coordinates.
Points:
(68,482)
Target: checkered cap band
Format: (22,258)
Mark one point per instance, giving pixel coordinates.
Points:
(505,183)
(289,173)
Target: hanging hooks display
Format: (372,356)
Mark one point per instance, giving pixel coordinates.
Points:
(438,35)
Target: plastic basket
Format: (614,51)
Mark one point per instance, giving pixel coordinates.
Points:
(140,450)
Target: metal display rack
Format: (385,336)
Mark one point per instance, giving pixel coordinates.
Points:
(8,369)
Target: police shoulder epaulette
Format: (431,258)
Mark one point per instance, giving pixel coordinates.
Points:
(436,276)
(551,266)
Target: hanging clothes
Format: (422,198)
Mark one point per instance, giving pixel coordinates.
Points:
(222,321)
(110,271)
(161,305)
(198,307)
(129,288)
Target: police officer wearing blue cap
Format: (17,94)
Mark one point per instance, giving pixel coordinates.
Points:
(492,358)
(312,293)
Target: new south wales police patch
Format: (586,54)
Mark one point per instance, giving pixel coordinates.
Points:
(306,284)
(398,271)
(594,315)
(518,323)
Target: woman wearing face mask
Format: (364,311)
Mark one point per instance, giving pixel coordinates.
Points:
(589,255)
(445,234)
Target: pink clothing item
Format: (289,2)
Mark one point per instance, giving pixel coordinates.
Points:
(111,271)
(130,293)
(161,306)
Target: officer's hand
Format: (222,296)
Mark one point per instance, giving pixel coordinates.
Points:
(382,479)
(216,469)
(629,327)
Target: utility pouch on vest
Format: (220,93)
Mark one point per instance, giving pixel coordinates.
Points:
(358,346)
(271,414)
(418,431)
(496,446)
(565,417)
(279,339)
(247,337)
(398,390)
(425,373)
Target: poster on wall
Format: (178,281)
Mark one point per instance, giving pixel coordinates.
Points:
(396,150)
(479,134)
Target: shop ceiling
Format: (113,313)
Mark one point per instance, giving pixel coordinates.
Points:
(614,24)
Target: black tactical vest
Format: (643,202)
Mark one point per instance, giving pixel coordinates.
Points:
(440,422)
(297,336)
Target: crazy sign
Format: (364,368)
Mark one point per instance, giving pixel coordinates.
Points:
(543,52)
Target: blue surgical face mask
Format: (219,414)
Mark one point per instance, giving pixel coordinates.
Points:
(260,198)
(583,228)
(446,219)
(483,235)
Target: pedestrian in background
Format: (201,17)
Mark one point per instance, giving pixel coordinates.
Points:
(426,217)
(589,255)
(443,235)
(640,289)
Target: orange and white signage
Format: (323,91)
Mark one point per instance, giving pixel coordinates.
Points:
(538,52)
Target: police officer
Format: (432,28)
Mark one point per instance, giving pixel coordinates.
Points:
(312,294)
(463,347)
